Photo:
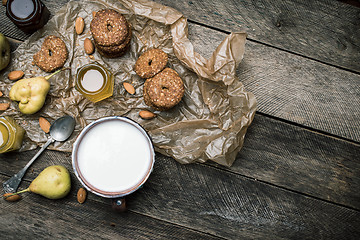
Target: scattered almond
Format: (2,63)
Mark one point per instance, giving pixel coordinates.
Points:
(146,114)
(12,198)
(88,46)
(4,106)
(129,88)
(93,13)
(1,94)
(79,25)
(91,57)
(81,195)
(15,75)
(44,124)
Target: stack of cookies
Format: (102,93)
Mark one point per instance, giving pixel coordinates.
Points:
(163,88)
(111,32)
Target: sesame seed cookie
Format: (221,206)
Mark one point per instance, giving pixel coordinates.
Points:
(109,28)
(115,51)
(52,55)
(150,63)
(164,90)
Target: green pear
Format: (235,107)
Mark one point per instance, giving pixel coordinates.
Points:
(31,92)
(4,52)
(53,182)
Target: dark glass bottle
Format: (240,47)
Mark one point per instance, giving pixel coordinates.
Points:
(28,15)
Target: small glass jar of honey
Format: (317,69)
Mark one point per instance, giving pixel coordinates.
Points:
(95,82)
(11,134)
(28,15)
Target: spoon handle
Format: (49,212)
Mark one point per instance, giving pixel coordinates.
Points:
(13,183)
(49,141)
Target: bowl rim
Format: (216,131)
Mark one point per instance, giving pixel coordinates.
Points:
(100,192)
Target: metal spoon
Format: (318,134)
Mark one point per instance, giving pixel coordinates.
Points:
(60,130)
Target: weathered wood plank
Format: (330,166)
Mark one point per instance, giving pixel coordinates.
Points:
(35,217)
(225,204)
(292,87)
(274,152)
(195,197)
(324,30)
(301,160)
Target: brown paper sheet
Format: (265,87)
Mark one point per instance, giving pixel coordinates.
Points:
(209,123)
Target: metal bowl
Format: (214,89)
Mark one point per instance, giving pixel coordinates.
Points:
(80,143)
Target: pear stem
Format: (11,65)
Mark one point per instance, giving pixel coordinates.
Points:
(22,191)
(49,76)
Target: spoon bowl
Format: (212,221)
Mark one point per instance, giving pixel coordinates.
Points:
(60,130)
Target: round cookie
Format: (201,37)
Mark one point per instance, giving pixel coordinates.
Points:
(52,55)
(115,51)
(148,101)
(164,90)
(150,63)
(109,28)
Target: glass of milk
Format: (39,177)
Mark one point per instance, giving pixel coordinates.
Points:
(113,156)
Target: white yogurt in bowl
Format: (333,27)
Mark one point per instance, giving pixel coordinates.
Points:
(113,156)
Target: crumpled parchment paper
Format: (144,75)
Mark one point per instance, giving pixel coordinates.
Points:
(209,123)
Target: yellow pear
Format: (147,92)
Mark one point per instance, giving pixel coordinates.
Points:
(31,93)
(53,182)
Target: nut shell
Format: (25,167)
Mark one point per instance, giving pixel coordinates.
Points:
(144,114)
(4,106)
(88,46)
(79,25)
(44,124)
(15,75)
(12,198)
(81,195)
(129,88)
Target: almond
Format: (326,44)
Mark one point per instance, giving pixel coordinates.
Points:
(4,106)
(81,195)
(88,46)
(146,114)
(93,14)
(1,94)
(44,124)
(129,88)
(12,198)
(15,75)
(79,25)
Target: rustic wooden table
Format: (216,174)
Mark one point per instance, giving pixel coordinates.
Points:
(298,174)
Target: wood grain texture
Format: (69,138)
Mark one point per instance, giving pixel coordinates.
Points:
(35,217)
(324,30)
(288,86)
(292,87)
(274,152)
(328,31)
(301,160)
(222,203)
(276,188)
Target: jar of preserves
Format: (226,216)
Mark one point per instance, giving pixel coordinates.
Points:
(95,82)
(28,15)
(11,134)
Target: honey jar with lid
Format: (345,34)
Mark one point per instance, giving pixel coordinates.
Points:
(11,134)
(94,82)
(28,15)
